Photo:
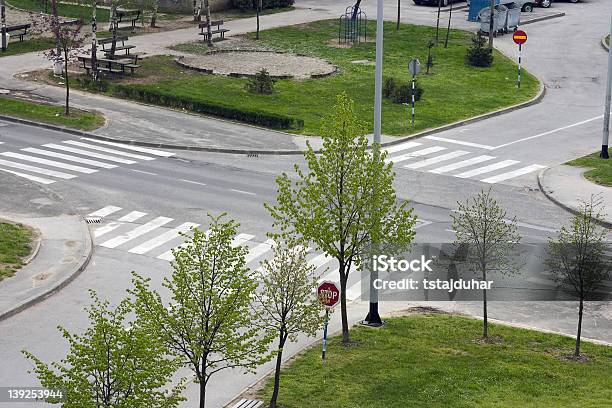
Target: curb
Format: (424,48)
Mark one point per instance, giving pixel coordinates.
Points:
(603,43)
(85,258)
(566,207)
(543,18)
(535,100)
(36,248)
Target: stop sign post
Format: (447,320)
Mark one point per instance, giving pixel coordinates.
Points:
(329,296)
(520,38)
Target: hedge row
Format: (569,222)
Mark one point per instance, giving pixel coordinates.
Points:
(255,117)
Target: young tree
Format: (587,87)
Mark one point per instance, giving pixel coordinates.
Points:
(154,10)
(286,303)
(577,256)
(438,22)
(112,364)
(481,226)
(399,14)
(208,324)
(450,17)
(3,42)
(345,201)
(259,8)
(205,7)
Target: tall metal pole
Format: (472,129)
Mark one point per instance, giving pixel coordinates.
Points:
(606,130)
(373,318)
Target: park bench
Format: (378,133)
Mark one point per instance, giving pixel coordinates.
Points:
(107,45)
(216,28)
(111,66)
(133,15)
(20,29)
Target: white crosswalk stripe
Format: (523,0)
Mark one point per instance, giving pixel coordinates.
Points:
(435,160)
(487,169)
(169,256)
(512,174)
(418,153)
(106,211)
(69,157)
(132,216)
(88,153)
(461,164)
(160,153)
(29,176)
(401,147)
(46,162)
(163,238)
(110,227)
(34,169)
(107,150)
(259,250)
(136,232)
(242,239)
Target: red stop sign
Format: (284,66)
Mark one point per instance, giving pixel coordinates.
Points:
(520,37)
(328,293)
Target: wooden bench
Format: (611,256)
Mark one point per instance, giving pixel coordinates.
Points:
(216,28)
(20,29)
(107,45)
(133,15)
(111,66)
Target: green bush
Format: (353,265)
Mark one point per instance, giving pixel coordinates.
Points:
(401,92)
(243,4)
(261,83)
(269,4)
(479,54)
(388,87)
(253,116)
(88,83)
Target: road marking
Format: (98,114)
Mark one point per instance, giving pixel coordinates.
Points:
(111,226)
(133,216)
(461,164)
(169,256)
(550,132)
(103,212)
(107,150)
(144,172)
(136,232)
(29,177)
(69,158)
(242,192)
(436,159)
(320,260)
(412,155)
(513,174)
(259,250)
(242,239)
(160,153)
(531,226)
(459,142)
(487,169)
(51,163)
(400,147)
(34,169)
(163,238)
(192,182)
(88,153)
(354,291)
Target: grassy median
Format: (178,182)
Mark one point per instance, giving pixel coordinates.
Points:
(52,114)
(435,360)
(35,44)
(15,244)
(452,91)
(601,170)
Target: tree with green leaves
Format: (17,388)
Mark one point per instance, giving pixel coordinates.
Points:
(345,200)
(114,363)
(577,256)
(481,226)
(207,323)
(286,304)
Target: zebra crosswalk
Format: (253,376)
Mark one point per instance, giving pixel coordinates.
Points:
(437,159)
(70,159)
(144,234)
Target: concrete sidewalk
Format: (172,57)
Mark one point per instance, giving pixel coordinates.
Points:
(567,187)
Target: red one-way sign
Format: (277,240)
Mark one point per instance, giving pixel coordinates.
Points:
(329,294)
(519,37)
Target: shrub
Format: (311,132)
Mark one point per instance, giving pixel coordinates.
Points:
(403,93)
(246,115)
(388,87)
(479,54)
(269,4)
(243,4)
(261,83)
(88,83)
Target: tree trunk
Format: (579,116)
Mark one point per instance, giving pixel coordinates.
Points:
(450,16)
(154,16)
(345,326)
(208,20)
(438,22)
(399,14)
(485,322)
(258,12)
(67,82)
(491,24)
(279,360)
(195,10)
(3,25)
(203,383)
(200,9)
(580,309)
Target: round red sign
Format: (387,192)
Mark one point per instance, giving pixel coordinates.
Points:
(328,293)
(520,37)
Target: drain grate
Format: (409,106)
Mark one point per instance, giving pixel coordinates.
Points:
(93,220)
(252,155)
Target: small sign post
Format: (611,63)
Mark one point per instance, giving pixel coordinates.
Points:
(414,67)
(329,296)
(520,38)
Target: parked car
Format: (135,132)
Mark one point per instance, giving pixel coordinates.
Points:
(528,5)
(443,3)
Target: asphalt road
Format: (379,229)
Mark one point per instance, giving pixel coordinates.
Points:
(144,198)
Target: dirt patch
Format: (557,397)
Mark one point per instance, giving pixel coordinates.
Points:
(417,310)
(490,340)
(335,43)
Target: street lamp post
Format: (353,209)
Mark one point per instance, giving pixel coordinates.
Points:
(606,130)
(373,318)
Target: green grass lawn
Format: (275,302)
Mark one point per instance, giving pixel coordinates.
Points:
(51,114)
(453,91)
(15,244)
(435,361)
(64,10)
(601,170)
(34,44)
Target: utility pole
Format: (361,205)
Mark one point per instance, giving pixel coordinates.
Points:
(373,318)
(491,24)
(606,130)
